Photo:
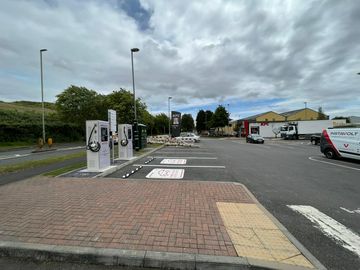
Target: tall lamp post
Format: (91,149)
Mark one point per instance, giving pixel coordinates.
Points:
(169,98)
(42,94)
(136,131)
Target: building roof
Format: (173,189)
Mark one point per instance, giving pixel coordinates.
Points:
(296,111)
(253,117)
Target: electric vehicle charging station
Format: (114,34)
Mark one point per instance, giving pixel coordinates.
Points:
(125,133)
(97,145)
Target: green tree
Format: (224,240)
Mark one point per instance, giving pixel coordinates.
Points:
(78,104)
(208,117)
(220,117)
(122,102)
(200,121)
(187,122)
(161,124)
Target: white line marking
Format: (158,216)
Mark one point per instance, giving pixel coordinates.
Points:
(15,156)
(179,166)
(187,157)
(356,211)
(330,227)
(339,165)
(188,152)
(71,148)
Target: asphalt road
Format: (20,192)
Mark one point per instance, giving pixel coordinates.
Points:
(25,154)
(280,173)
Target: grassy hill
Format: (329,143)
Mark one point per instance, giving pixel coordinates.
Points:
(21,121)
(27,106)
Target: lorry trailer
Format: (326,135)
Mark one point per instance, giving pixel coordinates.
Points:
(306,129)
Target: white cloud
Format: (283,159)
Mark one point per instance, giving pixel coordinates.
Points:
(199,52)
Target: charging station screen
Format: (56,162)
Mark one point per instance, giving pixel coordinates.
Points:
(104,134)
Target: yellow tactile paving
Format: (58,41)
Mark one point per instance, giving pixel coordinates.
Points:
(255,235)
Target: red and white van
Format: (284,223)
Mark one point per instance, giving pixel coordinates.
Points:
(341,142)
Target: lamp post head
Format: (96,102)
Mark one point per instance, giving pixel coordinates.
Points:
(358,73)
(134,50)
(170,98)
(43,50)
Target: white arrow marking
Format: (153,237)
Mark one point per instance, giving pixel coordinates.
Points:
(330,227)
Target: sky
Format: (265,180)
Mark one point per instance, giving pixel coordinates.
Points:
(249,56)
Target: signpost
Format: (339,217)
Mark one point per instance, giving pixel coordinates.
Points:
(112,128)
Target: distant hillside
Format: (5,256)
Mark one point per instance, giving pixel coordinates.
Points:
(27,106)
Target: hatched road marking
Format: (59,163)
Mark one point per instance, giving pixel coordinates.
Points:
(330,227)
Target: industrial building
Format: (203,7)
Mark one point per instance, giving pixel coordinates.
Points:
(269,122)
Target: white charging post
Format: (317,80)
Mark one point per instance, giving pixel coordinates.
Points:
(125,133)
(112,126)
(97,145)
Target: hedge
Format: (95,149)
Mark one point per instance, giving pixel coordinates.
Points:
(31,132)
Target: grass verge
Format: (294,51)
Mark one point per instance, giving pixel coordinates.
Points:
(36,163)
(66,169)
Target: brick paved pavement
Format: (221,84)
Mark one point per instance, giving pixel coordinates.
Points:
(172,216)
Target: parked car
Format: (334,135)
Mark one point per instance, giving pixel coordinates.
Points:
(254,138)
(191,135)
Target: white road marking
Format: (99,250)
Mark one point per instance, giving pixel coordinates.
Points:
(334,164)
(176,161)
(330,227)
(166,173)
(14,156)
(187,157)
(180,166)
(356,211)
(188,152)
(70,148)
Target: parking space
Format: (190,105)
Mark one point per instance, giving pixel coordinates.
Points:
(177,163)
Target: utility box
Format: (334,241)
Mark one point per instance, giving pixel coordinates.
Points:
(97,145)
(125,133)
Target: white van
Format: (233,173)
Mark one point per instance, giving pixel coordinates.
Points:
(341,142)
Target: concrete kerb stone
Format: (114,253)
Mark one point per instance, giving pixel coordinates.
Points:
(118,167)
(315,262)
(133,258)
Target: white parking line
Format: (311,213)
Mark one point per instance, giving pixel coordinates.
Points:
(179,166)
(334,164)
(330,227)
(187,157)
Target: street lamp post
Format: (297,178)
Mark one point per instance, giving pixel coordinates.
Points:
(136,131)
(133,80)
(169,98)
(42,94)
